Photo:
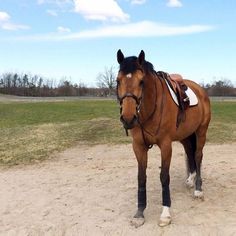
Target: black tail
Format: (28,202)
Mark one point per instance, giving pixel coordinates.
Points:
(190,145)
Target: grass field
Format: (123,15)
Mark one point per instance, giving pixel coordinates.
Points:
(31,132)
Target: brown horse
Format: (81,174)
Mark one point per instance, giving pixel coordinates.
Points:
(149,112)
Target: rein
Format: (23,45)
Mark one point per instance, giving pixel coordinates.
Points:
(149,146)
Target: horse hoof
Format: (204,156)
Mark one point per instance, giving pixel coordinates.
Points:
(198,194)
(137,222)
(164,221)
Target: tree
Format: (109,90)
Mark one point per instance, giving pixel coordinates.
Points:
(107,81)
(66,88)
(222,87)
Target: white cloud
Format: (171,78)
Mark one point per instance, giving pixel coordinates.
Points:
(61,29)
(41,2)
(174,3)
(6,24)
(57,2)
(102,10)
(11,26)
(138,2)
(4,16)
(51,12)
(142,29)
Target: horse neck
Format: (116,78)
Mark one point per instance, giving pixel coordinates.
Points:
(151,96)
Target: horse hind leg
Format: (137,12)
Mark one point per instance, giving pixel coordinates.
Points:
(201,140)
(190,148)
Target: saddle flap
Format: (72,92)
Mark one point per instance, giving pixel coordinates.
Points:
(174,84)
(193,100)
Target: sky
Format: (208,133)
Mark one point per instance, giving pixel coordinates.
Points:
(78,39)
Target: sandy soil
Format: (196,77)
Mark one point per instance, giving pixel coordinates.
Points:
(92,191)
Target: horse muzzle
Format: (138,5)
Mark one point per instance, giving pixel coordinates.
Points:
(129,123)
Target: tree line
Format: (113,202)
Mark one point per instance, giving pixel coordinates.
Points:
(38,86)
(222,87)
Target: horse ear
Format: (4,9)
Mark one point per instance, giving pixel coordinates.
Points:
(120,56)
(141,57)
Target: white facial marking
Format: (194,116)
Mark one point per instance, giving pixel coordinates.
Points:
(128,76)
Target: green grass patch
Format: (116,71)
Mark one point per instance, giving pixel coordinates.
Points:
(21,114)
(31,132)
(222,128)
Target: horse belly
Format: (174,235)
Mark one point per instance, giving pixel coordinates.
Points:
(189,125)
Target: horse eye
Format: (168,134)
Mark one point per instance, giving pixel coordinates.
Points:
(118,82)
(141,83)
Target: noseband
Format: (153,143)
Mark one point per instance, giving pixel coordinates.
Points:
(138,100)
(138,103)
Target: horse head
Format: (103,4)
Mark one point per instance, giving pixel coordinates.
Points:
(130,81)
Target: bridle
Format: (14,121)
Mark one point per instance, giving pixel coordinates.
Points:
(138,101)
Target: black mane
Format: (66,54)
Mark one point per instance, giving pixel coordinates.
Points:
(130,65)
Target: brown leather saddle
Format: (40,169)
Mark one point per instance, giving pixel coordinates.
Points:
(179,87)
(176,83)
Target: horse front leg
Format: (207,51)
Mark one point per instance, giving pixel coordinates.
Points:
(166,152)
(141,156)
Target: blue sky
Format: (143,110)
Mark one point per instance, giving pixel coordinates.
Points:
(79,38)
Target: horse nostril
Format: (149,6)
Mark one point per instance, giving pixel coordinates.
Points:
(132,122)
(129,123)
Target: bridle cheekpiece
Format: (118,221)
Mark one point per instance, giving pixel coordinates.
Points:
(138,100)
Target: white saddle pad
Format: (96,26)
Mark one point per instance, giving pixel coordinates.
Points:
(192,96)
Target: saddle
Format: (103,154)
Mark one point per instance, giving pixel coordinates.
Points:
(176,83)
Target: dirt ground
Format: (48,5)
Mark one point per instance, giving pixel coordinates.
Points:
(92,191)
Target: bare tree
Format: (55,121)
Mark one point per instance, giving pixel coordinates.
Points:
(222,87)
(107,81)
